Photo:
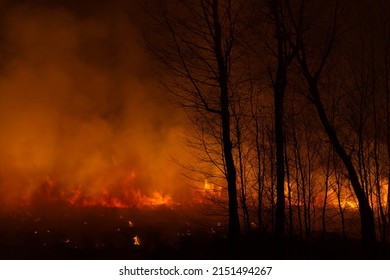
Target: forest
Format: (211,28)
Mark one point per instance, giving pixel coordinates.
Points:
(195,129)
(288,103)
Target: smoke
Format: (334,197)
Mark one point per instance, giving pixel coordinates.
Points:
(78,103)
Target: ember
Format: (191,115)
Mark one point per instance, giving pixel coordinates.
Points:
(137,240)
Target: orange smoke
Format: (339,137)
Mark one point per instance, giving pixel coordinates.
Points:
(78,101)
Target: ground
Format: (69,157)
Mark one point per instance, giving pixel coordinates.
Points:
(64,232)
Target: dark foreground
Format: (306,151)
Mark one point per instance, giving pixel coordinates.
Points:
(63,232)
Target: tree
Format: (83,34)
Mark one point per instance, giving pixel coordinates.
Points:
(284,53)
(196,41)
(312,59)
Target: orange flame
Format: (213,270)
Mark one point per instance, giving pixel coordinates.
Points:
(121,196)
(137,240)
(212,188)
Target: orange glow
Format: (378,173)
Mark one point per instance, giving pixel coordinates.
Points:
(207,193)
(157,199)
(123,195)
(137,241)
(130,199)
(351,204)
(212,189)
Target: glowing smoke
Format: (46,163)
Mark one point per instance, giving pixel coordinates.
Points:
(78,104)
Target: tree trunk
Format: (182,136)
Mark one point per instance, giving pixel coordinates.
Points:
(279,90)
(245,211)
(231,173)
(280,197)
(327,175)
(289,198)
(260,176)
(366,213)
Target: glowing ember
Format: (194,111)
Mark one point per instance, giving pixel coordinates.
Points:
(137,241)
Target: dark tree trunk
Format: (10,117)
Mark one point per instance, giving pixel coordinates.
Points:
(382,215)
(234,224)
(289,198)
(280,197)
(245,211)
(387,91)
(327,175)
(366,213)
(272,185)
(279,92)
(234,231)
(338,193)
(260,176)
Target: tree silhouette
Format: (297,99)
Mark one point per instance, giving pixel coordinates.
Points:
(312,67)
(252,80)
(196,41)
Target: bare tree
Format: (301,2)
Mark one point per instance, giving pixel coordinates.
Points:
(312,60)
(196,42)
(279,48)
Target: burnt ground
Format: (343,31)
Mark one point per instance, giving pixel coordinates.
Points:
(63,232)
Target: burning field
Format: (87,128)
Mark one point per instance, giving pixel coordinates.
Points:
(166,129)
(121,223)
(86,146)
(72,232)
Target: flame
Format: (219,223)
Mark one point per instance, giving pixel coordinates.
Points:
(128,199)
(122,195)
(137,241)
(157,199)
(211,188)
(207,193)
(208,186)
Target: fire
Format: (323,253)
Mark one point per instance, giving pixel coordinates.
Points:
(157,199)
(122,195)
(208,192)
(128,199)
(211,188)
(137,241)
